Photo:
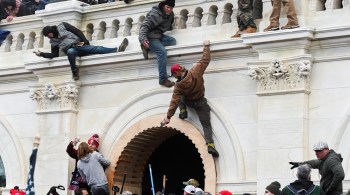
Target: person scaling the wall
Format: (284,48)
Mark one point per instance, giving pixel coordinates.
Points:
(72,41)
(189,91)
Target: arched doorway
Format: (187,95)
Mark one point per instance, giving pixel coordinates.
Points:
(179,160)
(170,153)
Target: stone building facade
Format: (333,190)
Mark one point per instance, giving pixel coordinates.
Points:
(272,94)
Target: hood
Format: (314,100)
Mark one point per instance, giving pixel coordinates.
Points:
(301,184)
(160,10)
(185,82)
(334,155)
(86,158)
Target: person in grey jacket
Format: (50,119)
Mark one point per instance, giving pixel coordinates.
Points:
(151,36)
(330,168)
(90,167)
(72,41)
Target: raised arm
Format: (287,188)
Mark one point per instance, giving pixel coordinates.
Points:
(203,63)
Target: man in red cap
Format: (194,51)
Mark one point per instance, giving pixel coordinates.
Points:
(189,91)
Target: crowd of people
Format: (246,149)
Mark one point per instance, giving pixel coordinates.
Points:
(10,9)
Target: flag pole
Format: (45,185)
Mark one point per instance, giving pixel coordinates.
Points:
(32,161)
(150,173)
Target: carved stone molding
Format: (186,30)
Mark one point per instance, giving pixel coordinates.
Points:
(280,77)
(56,97)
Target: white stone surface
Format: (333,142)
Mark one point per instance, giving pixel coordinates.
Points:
(257,132)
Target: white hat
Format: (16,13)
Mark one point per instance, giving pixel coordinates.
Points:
(320,145)
(190,189)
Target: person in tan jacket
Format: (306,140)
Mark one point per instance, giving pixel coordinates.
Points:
(189,91)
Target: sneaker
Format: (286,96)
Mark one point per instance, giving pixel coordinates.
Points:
(167,83)
(212,150)
(76,74)
(271,28)
(288,26)
(183,114)
(123,45)
(144,51)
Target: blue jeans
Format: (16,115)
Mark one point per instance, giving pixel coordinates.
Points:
(158,47)
(84,51)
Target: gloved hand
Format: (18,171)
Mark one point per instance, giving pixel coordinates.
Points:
(295,165)
(165,122)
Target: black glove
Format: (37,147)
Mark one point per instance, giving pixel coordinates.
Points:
(295,165)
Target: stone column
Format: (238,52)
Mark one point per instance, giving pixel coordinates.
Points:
(283,72)
(57,112)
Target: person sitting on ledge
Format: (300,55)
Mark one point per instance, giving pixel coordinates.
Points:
(72,41)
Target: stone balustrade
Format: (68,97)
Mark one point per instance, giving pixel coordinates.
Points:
(105,22)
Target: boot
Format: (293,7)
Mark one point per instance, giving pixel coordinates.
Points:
(183,114)
(76,74)
(123,45)
(212,150)
(289,26)
(249,30)
(271,28)
(238,34)
(144,51)
(167,83)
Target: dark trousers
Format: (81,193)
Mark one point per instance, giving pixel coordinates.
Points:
(85,50)
(203,110)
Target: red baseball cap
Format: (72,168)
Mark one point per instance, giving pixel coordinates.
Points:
(175,68)
(225,192)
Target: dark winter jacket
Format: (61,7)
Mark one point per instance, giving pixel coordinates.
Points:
(332,172)
(77,181)
(303,184)
(56,45)
(155,24)
(3,14)
(192,86)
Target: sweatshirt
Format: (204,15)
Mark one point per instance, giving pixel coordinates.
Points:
(90,168)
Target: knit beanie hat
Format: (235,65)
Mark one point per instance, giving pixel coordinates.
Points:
(171,3)
(274,188)
(47,30)
(225,192)
(94,139)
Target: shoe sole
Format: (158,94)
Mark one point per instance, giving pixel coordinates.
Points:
(271,29)
(290,27)
(168,85)
(123,45)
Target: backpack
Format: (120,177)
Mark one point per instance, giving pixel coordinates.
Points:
(301,191)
